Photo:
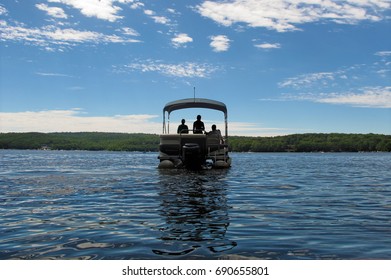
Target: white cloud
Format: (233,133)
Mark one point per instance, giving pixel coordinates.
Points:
(286,15)
(268,46)
(253,129)
(220,43)
(374,97)
(157,19)
(130,31)
(181,40)
(383,53)
(161,19)
(308,80)
(360,85)
(172,11)
(72,35)
(52,11)
(3,10)
(74,120)
(52,74)
(52,35)
(149,12)
(183,70)
(136,5)
(102,9)
(356,76)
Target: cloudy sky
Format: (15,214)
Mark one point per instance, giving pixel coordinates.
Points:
(281,66)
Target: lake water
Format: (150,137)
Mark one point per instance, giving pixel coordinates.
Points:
(118,205)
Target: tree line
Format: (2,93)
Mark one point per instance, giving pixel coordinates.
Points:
(95,141)
(90,141)
(314,142)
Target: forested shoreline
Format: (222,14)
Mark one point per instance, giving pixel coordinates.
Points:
(97,141)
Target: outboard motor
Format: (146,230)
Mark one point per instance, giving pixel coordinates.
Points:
(191,156)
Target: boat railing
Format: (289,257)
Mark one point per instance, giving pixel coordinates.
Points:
(207,143)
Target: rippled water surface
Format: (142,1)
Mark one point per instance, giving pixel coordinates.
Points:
(110,205)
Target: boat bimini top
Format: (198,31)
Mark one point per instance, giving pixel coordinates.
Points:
(193,103)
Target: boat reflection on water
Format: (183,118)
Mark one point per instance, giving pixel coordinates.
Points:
(195,210)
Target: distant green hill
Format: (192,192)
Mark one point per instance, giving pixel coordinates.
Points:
(316,142)
(94,141)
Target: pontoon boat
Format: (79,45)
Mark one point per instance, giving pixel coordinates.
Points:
(189,150)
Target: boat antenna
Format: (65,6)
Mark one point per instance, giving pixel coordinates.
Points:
(194,93)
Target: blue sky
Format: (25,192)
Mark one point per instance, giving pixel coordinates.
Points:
(281,66)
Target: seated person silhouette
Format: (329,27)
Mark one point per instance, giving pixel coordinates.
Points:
(198,126)
(217,133)
(182,128)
